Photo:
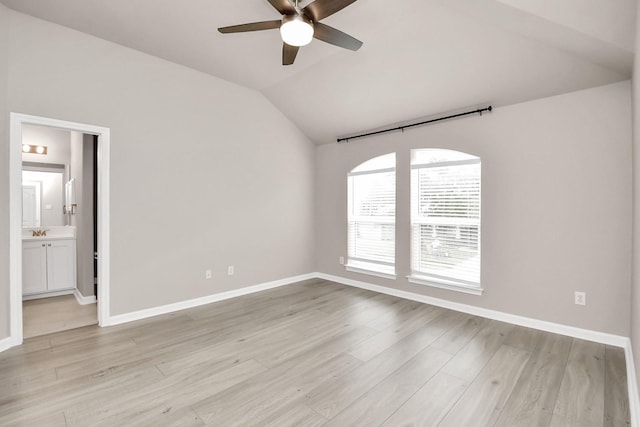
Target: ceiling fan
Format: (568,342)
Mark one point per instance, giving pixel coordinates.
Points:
(299,26)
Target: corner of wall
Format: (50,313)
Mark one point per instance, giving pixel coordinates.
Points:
(632,385)
(4,175)
(633,351)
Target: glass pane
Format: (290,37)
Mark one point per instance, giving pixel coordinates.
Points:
(450,191)
(448,250)
(374,194)
(372,241)
(381,162)
(437,155)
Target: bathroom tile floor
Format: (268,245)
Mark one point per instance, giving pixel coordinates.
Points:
(46,315)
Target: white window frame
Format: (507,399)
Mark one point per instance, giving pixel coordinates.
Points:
(372,267)
(429,278)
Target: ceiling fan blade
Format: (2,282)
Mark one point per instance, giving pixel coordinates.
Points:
(335,37)
(254,26)
(283,6)
(320,9)
(289,54)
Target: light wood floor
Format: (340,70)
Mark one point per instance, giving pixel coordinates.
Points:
(54,314)
(311,354)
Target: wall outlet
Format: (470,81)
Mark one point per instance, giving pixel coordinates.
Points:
(341,260)
(230,270)
(207,274)
(581,298)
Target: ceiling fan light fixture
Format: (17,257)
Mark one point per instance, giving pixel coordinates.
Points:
(296,30)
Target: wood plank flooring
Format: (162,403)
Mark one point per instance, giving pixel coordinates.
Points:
(315,353)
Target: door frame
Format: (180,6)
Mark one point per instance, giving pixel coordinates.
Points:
(15,215)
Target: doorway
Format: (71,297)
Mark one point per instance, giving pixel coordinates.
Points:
(58,196)
(99,139)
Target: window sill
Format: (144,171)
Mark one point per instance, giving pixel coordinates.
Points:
(370,272)
(450,285)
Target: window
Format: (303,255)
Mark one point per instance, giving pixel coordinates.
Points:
(372,217)
(445,219)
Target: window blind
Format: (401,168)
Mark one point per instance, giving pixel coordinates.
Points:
(371,220)
(446,220)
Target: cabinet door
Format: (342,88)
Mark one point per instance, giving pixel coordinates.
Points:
(34,267)
(61,264)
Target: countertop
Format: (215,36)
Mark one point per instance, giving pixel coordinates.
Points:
(53,233)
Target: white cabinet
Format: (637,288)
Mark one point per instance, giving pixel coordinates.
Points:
(48,266)
(34,267)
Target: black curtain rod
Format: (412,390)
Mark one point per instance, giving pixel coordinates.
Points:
(402,128)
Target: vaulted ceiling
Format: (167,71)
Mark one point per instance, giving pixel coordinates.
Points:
(419,58)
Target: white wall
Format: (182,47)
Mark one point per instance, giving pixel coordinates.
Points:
(556,205)
(204,173)
(635,285)
(56,141)
(4,176)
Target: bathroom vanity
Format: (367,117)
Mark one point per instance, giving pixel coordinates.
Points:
(48,263)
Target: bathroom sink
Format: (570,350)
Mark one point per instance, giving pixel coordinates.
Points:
(53,233)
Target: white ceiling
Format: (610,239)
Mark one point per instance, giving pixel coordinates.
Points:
(420,57)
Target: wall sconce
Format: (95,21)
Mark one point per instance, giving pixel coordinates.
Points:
(34,149)
(71,209)
(70,205)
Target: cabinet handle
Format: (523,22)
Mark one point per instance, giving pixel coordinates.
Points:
(49,245)
(43,245)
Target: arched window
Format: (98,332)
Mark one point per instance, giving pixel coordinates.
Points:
(372,216)
(445,219)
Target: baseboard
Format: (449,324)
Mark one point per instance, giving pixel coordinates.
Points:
(6,344)
(47,294)
(169,308)
(556,328)
(82,300)
(632,385)
(585,334)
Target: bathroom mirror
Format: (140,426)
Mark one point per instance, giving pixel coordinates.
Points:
(31,196)
(42,196)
